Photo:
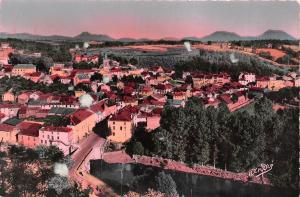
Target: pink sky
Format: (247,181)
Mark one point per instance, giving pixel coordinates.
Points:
(147,19)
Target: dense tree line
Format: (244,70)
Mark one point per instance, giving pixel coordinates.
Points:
(43,64)
(85,65)
(234,141)
(29,172)
(156,180)
(216,62)
(284,95)
(19,84)
(264,43)
(59,52)
(56,121)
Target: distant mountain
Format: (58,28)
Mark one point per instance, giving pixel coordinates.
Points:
(192,38)
(86,36)
(26,36)
(222,36)
(230,36)
(276,35)
(216,36)
(170,39)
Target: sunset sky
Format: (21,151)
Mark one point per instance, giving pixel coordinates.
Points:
(147,19)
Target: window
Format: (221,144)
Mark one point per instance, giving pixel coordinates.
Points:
(113,122)
(52,138)
(48,137)
(41,141)
(113,133)
(121,128)
(58,137)
(124,123)
(113,127)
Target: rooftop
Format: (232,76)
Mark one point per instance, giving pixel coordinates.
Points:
(56,129)
(24,66)
(29,128)
(80,115)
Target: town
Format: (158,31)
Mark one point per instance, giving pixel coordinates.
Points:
(95,106)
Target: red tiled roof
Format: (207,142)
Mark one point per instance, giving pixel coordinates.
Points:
(80,115)
(157,111)
(23,110)
(128,89)
(178,93)
(6,105)
(256,89)
(263,78)
(29,128)
(6,127)
(164,86)
(36,74)
(53,77)
(56,129)
(146,89)
(67,99)
(125,114)
(226,98)
(115,69)
(43,111)
(155,102)
(240,93)
(111,95)
(98,106)
(128,99)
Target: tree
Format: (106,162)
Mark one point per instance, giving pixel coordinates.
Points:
(248,138)
(189,79)
(83,87)
(174,122)
(42,151)
(54,154)
(56,121)
(133,61)
(165,184)
(59,184)
(23,181)
(115,78)
(3,174)
(138,148)
(266,55)
(31,155)
(285,172)
(234,98)
(96,76)
(263,108)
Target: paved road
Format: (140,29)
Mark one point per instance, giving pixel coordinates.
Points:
(81,153)
(78,172)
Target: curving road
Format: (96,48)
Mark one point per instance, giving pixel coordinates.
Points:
(78,172)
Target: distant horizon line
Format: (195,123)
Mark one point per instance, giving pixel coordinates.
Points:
(139,38)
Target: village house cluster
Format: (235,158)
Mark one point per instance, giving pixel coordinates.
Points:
(126,96)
